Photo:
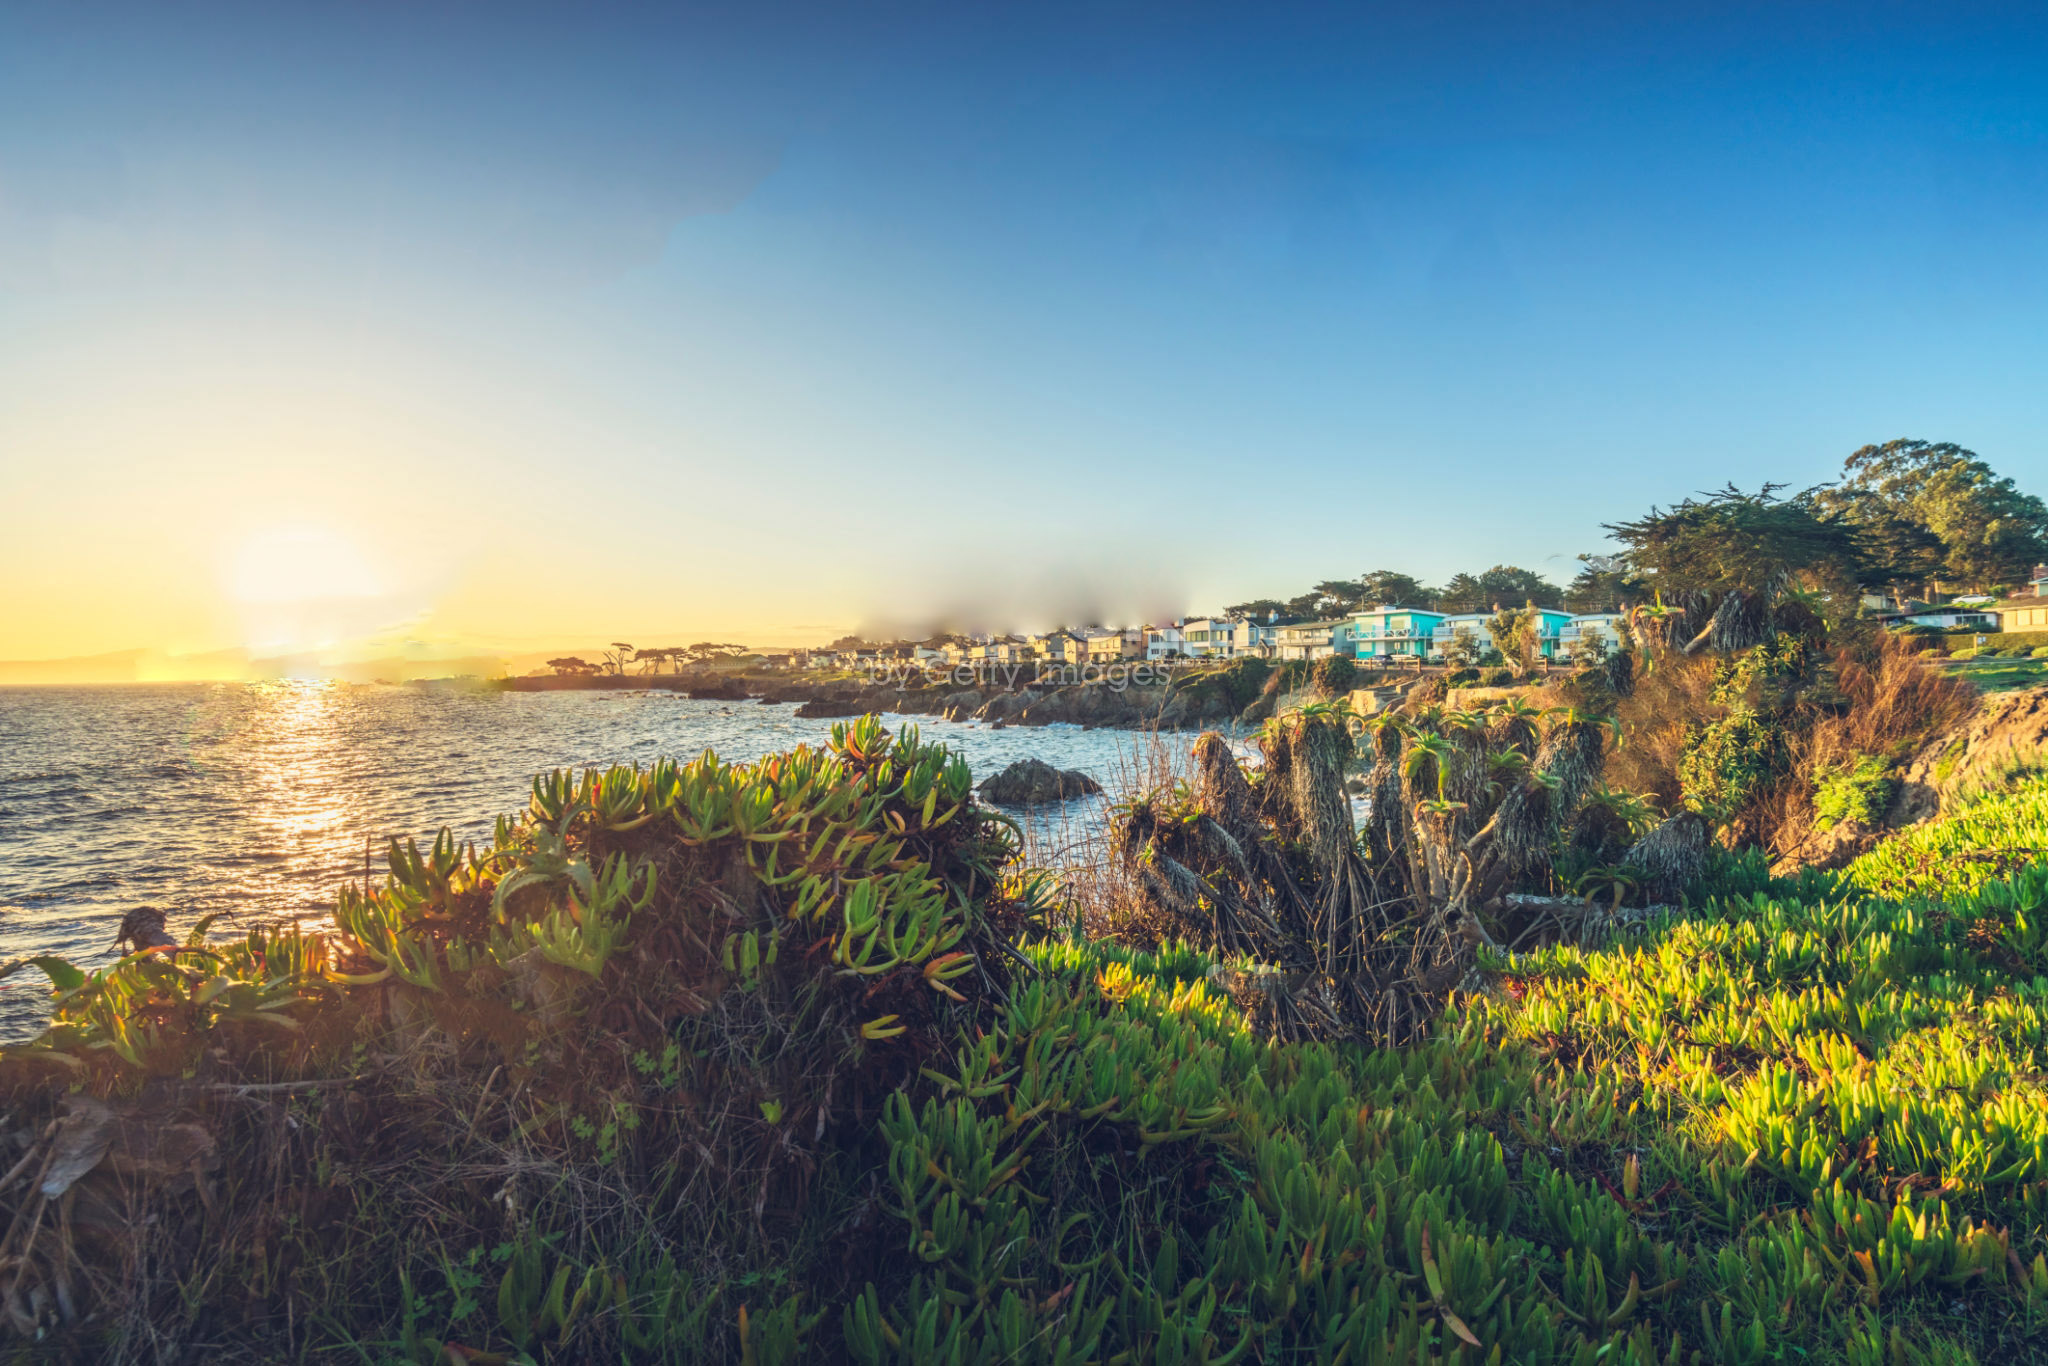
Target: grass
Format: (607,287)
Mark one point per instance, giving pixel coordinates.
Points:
(1797,1121)
(2004,675)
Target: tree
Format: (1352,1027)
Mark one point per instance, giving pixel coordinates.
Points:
(571,667)
(1937,515)
(1754,542)
(711,652)
(1385,586)
(1732,568)
(1588,649)
(1463,649)
(1516,633)
(1604,585)
(1462,594)
(1261,610)
(616,657)
(1502,583)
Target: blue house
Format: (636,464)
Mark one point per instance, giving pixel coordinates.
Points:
(1393,632)
(1551,634)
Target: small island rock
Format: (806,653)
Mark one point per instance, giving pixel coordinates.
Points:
(1032,782)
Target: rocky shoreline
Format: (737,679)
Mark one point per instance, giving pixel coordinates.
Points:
(1192,700)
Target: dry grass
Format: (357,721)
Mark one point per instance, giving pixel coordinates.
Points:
(1104,897)
(1892,703)
(1875,698)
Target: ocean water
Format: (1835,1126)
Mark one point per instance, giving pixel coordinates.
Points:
(259,800)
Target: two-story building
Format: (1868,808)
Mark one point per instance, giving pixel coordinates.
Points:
(1394,632)
(1162,641)
(1587,627)
(1254,638)
(1058,647)
(1208,638)
(1313,639)
(1105,646)
(1551,625)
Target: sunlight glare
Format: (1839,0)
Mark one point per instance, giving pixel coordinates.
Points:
(302,563)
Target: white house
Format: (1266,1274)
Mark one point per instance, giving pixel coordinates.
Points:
(1602,626)
(1161,641)
(1208,637)
(1314,639)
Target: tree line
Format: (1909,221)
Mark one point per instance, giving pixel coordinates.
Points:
(650,658)
(1907,518)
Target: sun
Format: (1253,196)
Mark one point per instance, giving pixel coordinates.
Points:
(301,563)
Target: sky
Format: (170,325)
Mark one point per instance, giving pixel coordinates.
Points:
(422,327)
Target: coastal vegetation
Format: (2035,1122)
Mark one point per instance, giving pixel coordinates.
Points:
(1689,1006)
(791,1062)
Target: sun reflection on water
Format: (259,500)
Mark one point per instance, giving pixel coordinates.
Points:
(297,753)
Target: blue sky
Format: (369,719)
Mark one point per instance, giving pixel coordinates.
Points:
(792,319)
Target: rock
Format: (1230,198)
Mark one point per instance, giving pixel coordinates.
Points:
(724,690)
(2006,732)
(1006,706)
(831,707)
(1835,846)
(1032,782)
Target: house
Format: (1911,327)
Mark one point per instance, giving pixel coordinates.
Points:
(2026,611)
(1392,632)
(1255,638)
(1161,641)
(1473,623)
(1604,627)
(1551,624)
(1954,618)
(1207,638)
(1059,647)
(1314,639)
(1108,647)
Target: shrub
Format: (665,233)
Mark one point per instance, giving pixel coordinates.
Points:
(1967,652)
(2039,652)
(1726,763)
(1336,675)
(658,1004)
(1461,678)
(1859,792)
(1247,677)
(1496,678)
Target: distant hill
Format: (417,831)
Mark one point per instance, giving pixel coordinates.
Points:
(154,666)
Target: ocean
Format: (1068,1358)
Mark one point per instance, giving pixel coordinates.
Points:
(258,800)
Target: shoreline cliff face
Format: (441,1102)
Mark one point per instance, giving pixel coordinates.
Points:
(1188,702)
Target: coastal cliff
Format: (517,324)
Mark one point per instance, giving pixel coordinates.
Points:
(1186,699)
